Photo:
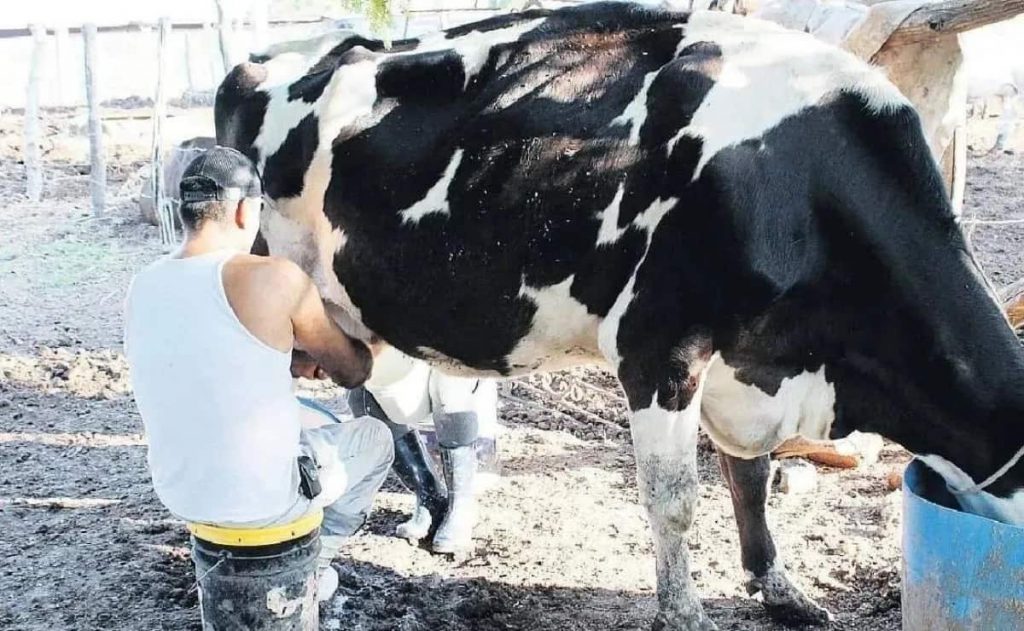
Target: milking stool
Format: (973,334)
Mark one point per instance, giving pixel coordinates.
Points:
(258,579)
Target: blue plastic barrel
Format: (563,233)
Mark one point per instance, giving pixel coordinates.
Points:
(961,572)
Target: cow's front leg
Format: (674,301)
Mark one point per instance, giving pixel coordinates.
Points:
(666,458)
(748,484)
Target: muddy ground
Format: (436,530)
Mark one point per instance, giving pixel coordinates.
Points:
(562,543)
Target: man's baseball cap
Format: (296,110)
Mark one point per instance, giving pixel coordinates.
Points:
(220,173)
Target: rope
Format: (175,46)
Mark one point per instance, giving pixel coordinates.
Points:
(992,478)
(991,222)
(195,585)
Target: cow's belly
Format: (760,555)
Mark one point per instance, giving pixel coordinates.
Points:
(746,422)
(562,333)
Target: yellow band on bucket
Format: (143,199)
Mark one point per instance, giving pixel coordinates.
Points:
(244,537)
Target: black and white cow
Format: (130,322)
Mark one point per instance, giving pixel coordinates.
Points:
(744,223)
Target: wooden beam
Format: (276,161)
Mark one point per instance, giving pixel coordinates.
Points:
(949,17)
(156,177)
(97,159)
(32,151)
(133,27)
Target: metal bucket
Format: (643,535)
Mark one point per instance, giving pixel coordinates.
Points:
(258,588)
(961,572)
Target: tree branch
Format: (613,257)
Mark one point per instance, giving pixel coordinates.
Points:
(949,17)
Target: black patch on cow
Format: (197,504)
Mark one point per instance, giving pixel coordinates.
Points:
(285,170)
(310,87)
(495,23)
(607,17)
(239,108)
(436,75)
(605,271)
(354,48)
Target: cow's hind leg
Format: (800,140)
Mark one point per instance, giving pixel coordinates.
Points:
(748,484)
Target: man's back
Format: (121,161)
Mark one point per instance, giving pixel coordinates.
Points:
(216,399)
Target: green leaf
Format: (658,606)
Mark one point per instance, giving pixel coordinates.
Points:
(378,12)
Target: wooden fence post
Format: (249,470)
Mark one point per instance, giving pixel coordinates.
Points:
(60,36)
(163,209)
(97,159)
(224,38)
(33,152)
(260,27)
(211,44)
(190,73)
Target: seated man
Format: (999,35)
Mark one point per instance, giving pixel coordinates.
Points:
(209,336)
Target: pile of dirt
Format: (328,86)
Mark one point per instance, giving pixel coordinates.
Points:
(86,374)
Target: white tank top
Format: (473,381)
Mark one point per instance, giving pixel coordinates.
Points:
(217,403)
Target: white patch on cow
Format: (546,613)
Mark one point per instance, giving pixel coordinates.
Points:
(608,331)
(303,53)
(475,46)
(436,199)
(562,332)
(636,112)
(292,225)
(650,218)
(657,431)
(609,232)
(1009,510)
(767,75)
(747,422)
(286,116)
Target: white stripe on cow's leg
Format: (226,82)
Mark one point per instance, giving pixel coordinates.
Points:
(748,484)
(666,460)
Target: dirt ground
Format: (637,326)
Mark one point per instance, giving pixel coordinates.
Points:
(562,543)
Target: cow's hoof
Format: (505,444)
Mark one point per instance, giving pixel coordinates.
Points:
(785,602)
(700,622)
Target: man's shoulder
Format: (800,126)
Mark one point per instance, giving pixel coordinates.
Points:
(270,273)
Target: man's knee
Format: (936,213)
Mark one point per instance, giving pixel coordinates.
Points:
(376,438)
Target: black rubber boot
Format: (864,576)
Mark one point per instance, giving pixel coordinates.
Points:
(415,469)
(456,437)
(413,466)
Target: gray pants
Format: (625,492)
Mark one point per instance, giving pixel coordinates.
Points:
(354,457)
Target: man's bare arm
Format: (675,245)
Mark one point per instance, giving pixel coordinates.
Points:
(347,361)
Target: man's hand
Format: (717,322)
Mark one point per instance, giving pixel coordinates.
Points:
(303,365)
